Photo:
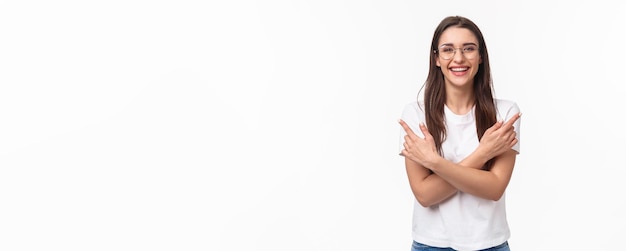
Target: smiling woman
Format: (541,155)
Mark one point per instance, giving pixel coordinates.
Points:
(459,153)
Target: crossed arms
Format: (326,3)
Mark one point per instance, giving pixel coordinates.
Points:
(434,179)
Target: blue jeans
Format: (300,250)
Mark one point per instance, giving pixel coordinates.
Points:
(421,247)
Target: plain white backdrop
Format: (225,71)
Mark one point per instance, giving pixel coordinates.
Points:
(272,125)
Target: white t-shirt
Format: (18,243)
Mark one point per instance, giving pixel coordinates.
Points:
(464,221)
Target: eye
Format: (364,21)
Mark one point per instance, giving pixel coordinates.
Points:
(446,49)
(470,48)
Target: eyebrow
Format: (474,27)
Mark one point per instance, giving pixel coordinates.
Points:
(465,44)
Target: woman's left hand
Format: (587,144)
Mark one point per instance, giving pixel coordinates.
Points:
(420,150)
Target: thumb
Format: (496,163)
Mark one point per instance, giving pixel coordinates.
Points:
(426,133)
(495,126)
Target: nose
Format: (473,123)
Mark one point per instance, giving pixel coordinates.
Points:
(458,55)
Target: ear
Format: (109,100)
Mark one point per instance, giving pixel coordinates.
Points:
(437,62)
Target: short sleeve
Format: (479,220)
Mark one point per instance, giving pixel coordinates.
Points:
(506,110)
(413,116)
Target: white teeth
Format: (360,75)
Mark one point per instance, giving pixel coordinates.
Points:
(459,69)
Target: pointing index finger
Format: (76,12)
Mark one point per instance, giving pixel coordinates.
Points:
(512,120)
(407,129)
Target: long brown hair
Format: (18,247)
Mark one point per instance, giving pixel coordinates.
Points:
(435,92)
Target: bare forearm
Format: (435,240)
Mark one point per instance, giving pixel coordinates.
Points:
(476,160)
(427,187)
(469,180)
(484,184)
(433,189)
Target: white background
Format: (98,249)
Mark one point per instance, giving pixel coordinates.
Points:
(272,125)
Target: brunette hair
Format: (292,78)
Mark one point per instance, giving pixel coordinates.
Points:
(435,93)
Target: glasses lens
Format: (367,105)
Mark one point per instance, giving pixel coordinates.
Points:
(446,52)
(470,51)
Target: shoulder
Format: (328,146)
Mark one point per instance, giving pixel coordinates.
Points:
(413,108)
(413,114)
(506,108)
(413,103)
(504,103)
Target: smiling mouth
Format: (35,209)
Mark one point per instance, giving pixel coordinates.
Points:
(459,69)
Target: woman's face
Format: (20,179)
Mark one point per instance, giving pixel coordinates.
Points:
(458,57)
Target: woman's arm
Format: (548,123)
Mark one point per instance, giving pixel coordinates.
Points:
(485,184)
(428,187)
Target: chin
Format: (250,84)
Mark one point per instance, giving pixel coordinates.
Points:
(461,83)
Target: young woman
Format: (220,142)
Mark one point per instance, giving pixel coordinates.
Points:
(460,145)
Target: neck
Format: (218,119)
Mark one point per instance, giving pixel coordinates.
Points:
(460,102)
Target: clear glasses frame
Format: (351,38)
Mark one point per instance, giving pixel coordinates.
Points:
(447,52)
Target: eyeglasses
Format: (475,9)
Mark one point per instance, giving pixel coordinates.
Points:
(446,52)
